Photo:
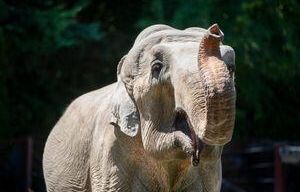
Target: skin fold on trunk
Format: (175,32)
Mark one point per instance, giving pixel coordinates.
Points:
(219,91)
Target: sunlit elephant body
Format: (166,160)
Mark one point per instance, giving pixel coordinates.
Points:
(161,127)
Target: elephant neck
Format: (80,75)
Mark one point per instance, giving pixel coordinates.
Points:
(176,172)
(148,172)
(163,176)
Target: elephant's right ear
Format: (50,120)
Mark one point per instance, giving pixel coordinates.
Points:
(124,111)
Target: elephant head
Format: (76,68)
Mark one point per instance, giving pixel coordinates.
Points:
(176,90)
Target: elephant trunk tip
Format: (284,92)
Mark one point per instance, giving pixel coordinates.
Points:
(209,45)
(215,32)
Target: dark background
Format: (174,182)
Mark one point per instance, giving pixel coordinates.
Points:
(52,51)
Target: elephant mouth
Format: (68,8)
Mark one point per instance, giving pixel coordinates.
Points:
(182,123)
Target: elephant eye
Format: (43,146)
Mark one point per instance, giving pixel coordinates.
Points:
(156,68)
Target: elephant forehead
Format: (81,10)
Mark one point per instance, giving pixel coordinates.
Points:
(176,35)
(183,55)
(144,44)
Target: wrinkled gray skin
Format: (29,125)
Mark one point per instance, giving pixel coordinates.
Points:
(127,136)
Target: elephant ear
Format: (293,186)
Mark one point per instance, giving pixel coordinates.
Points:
(124,111)
(228,55)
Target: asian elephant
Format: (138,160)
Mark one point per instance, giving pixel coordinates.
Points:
(160,127)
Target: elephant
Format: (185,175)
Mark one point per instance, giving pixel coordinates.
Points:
(160,127)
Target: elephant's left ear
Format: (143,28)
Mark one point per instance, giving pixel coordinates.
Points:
(124,111)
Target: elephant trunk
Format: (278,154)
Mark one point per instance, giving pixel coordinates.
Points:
(218,112)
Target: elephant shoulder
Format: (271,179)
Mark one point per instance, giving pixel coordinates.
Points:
(71,138)
(98,96)
(80,116)
(88,104)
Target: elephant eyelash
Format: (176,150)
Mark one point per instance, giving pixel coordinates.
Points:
(156,68)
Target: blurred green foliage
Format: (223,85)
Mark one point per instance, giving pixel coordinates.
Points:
(52,51)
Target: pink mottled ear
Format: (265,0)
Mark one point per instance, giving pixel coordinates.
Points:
(124,111)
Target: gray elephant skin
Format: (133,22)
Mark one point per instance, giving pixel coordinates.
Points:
(161,127)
